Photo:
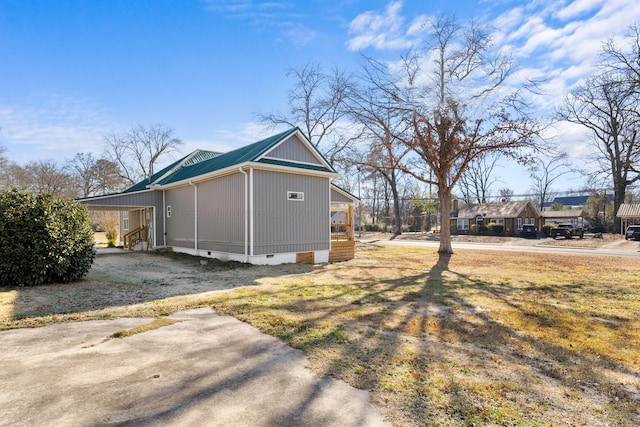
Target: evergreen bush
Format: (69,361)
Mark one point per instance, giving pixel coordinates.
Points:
(495,228)
(43,239)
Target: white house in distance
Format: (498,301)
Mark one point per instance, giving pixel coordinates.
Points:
(270,202)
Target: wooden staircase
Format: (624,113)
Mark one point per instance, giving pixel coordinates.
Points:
(134,237)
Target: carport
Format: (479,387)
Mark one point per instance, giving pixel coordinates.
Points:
(140,213)
(629,214)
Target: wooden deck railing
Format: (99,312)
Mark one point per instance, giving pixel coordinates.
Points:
(340,232)
(134,237)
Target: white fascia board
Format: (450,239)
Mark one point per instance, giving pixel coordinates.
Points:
(111,196)
(247,165)
(294,170)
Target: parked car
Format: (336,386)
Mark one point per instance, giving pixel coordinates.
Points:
(528,231)
(633,232)
(567,231)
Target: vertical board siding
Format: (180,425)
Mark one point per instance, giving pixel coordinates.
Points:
(180,226)
(221,217)
(283,225)
(158,221)
(293,149)
(339,198)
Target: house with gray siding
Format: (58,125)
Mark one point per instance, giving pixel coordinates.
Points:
(269,202)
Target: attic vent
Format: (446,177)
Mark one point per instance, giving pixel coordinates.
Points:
(295,195)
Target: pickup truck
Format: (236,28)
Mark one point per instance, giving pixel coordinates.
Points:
(567,231)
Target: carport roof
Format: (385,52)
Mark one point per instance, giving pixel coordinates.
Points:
(629,210)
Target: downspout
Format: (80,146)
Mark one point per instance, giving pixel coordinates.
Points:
(195,215)
(164,218)
(246,218)
(251,220)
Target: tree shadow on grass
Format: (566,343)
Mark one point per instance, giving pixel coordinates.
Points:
(428,349)
(422,342)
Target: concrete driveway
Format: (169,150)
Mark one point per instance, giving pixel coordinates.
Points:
(205,370)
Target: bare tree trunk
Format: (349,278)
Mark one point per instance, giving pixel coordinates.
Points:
(444,195)
(396,207)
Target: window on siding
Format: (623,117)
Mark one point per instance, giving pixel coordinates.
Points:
(295,195)
(463,224)
(520,223)
(169,211)
(497,220)
(125,220)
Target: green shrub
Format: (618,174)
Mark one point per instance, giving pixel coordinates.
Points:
(495,228)
(43,239)
(479,229)
(546,229)
(372,227)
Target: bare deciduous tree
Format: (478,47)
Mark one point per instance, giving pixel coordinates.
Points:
(108,221)
(45,176)
(476,181)
(460,108)
(506,194)
(95,176)
(543,173)
(317,107)
(4,169)
(608,105)
(381,122)
(137,152)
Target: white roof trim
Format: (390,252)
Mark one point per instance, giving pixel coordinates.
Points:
(110,196)
(245,165)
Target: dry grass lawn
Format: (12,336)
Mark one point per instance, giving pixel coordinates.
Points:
(479,338)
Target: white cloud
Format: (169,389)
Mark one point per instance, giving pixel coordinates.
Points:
(283,16)
(384,30)
(51,126)
(577,8)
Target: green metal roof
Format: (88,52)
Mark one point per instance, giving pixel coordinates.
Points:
(195,157)
(186,170)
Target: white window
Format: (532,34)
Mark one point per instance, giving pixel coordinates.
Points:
(463,224)
(520,223)
(125,220)
(169,211)
(497,221)
(295,195)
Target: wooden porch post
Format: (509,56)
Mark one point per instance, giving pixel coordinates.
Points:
(349,222)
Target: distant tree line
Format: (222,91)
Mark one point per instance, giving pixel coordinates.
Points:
(128,158)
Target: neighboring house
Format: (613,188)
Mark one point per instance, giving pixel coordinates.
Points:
(511,215)
(269,202)
(573,216)
(629,214)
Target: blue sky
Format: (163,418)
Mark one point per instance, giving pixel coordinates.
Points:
(73,71)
